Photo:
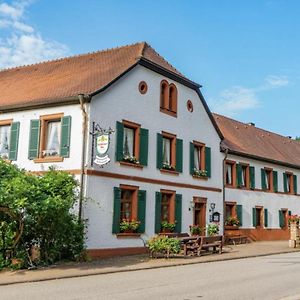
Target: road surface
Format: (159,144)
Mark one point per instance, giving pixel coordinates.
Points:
(271,277)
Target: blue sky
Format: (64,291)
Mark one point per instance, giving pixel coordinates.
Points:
(246,54)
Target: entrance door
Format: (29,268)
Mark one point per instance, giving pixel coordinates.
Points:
(200,212)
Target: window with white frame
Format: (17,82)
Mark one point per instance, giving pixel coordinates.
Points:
(4,140)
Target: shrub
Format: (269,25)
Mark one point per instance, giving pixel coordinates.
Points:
(37,210)
(213,229)
(163,245)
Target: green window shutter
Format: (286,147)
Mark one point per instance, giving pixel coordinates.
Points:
(117,210)
(266,217)
(144,141)
(239,174)
(239,214)
(192,158)
(14,140)
(281,219)
(275,181)
(142,211)
(285,183)
(254,217)
(119,144)
(65,136)
(252,177)
(295,184)
(290,213)
(34,139)
(159,149)
(179,154)
(263,179)
(178,212)
(157,225)
(208,161)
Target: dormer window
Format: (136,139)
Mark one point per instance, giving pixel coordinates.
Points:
(168,98)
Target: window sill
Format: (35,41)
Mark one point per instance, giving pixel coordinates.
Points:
(173,172)
(129,164)
(128,235)
(231,227)
(48,159)
(200,177)
(168,112)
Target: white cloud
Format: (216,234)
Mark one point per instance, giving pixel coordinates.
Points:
(236,99)
(274,81)
(22,43)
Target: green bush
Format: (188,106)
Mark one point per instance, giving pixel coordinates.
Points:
(213,229)
(163,245)
(37,210)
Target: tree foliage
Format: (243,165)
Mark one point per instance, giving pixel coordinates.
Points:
(38,211)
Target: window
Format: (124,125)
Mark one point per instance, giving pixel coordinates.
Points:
(168,98)
(4,140)
(267,179)
(230,208)
(9,137)
(230,173)
(290,183)
(243,176)
(169,153)
(129,204)
(257,214)
(132,144)
(50,138)
(200,160)
(283,218)
(168,209)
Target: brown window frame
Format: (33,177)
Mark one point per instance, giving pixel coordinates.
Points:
(136,147)
(201,146)
(6,122)
(168,98)
(247,175)
(285,212)
(45,120)
(171,208)
(269,178)
(261,216)
(233,173)
(232,206)
(290,181)
(134,200)
(172,138)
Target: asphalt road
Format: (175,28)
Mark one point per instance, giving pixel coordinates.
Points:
(271,277)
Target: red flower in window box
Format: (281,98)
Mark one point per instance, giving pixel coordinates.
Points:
(129,225)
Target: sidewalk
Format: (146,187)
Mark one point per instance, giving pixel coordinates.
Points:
(141,262)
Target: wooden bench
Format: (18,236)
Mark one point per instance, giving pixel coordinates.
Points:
(236,239)
(208,242)
(175,235)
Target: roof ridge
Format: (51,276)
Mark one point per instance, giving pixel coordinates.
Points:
(70,57)
(258,128)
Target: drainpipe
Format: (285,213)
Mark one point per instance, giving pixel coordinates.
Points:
(82,100)
(224,187)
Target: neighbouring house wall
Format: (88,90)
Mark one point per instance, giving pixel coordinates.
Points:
(124,101)
(271,201)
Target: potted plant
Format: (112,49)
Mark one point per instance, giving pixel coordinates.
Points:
(213,229)
(167,167)
(131,159)
(129,226)
(200,173)
(293,219)
(195,229)
(168,227)
(232,221)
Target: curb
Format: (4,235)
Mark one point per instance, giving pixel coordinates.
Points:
(146,268)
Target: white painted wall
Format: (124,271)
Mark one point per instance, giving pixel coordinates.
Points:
(24,117)
(123,101)
(272,201)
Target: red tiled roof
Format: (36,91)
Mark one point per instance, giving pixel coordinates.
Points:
(249,140)
(64,78)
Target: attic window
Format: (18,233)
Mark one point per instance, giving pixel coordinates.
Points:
(168,98)
(143,87)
